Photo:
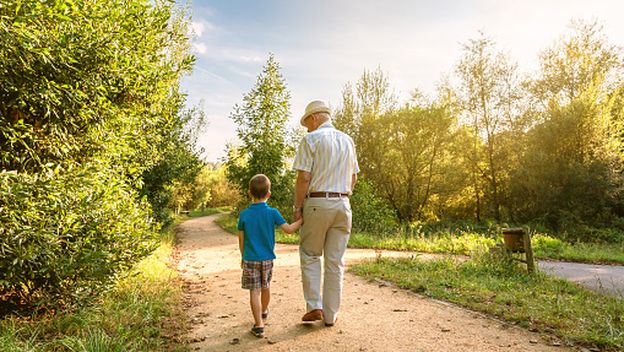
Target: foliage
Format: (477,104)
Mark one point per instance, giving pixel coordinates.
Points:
(570,172)
(544,149)
(61,233)
(138,314)
(88,103)
(211,188)
(497,286)
(488,96)
(261,121)
(371,212)
(170,183)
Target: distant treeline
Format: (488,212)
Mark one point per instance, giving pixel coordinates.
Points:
(494,144)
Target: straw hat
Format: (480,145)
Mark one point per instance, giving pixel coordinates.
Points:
(313,108)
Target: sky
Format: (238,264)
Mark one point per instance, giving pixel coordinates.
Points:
(321,45)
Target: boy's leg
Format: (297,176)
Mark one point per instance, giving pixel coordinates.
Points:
(256,306)
(266,298)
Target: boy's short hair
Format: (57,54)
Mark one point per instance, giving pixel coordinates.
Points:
(259,186)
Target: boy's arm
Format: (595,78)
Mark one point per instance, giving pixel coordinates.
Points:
(241,241)
(291,228)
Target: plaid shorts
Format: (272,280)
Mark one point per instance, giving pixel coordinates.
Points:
(257,274)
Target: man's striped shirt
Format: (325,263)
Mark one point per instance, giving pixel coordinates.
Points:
(329,155)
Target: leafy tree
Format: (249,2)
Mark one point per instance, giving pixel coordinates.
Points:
(408,162)
(212,188)
(488,96)
(261,120)
(89,96)
(571,171)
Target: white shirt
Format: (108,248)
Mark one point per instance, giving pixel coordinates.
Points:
(329,156)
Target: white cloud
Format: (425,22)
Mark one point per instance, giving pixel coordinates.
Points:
(199,48)
(197,29)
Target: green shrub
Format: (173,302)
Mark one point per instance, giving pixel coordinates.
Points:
(371,213)
(65,235)
(89,102)
(547,245)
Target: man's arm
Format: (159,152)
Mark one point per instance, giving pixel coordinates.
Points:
(353,181)
(301,188)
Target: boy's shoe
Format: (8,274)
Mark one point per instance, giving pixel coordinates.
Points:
(257,331)
(265,315)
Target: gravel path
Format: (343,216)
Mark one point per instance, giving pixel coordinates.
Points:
(373,317)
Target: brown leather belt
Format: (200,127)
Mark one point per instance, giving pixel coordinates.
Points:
(327,195)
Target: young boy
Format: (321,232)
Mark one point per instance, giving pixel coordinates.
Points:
(256,240)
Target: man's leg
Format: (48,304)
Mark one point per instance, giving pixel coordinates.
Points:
(310,250)
(256,306)
(311,279)
(335,247)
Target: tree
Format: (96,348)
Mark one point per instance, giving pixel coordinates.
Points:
(571,171)
(371,98)
(89,94)
(412,145)
(261,120)
(487,92)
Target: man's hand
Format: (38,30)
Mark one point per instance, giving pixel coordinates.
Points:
(298,213)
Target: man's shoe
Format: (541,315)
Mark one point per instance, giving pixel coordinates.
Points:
(313,315)
(265,315)
(329,325)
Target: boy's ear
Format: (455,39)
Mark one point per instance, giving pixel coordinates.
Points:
(268,194)
(249,193)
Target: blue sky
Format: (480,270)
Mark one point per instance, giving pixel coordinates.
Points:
(321,45)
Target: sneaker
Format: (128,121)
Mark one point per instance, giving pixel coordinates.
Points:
(257,331)
(265,315)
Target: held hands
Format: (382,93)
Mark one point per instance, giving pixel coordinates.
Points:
(298,214)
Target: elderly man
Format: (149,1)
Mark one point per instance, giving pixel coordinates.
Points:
(327,170)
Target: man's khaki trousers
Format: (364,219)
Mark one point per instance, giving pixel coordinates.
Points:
(325,232)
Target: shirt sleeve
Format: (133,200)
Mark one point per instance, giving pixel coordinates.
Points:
(241,226)
(278,218)
(303,159)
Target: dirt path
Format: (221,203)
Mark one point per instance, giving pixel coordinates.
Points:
(373,317)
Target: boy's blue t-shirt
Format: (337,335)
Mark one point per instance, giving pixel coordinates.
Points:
(258,223)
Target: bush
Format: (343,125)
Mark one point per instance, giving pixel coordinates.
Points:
(89,102)
(550,246)
(65,235)
(371,213)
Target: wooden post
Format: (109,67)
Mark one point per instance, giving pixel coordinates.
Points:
(528,251)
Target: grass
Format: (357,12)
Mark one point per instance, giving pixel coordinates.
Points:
(136,315)
(465,243)
(497,287)
(203,212)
